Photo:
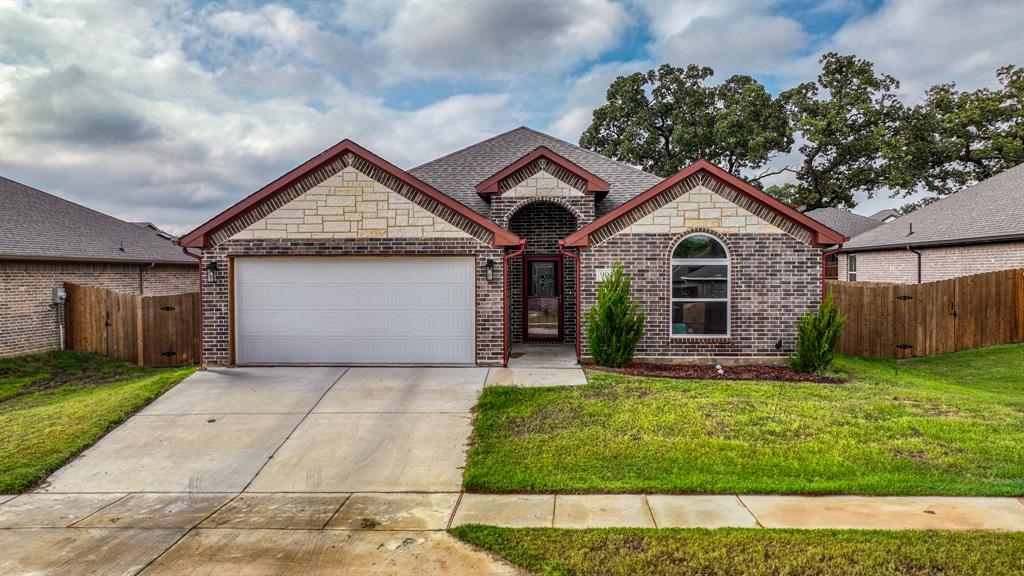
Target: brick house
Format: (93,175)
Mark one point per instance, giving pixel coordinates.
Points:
(978,229)
(848,224)
(46,241)
(348,259)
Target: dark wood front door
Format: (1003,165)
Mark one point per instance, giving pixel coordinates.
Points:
(542,298)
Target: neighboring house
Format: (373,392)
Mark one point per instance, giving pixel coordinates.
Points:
(978,229)
(46,241)
(886,216)
(348,259)
(846,223)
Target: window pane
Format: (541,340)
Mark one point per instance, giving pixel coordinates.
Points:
(700,281)
(699,246)
(852,261)
(699,317)
(542,279)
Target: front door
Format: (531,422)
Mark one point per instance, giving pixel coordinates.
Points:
(542,295)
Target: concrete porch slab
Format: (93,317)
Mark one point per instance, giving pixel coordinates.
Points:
(52,510)
(602,511)
(247,391)
(506,510)
(542,356)
(282,511)
(405,390)
(322,552)
(672,511)
(64,551)
(395,512)
(536,377)
(192,453)
(407,452)
(890,513)
(156,511)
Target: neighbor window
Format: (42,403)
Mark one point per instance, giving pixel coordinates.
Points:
(700,287)
(851,267)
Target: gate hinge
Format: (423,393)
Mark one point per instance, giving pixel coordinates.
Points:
(904,297)
(167,308)
(904,346)
(169,353)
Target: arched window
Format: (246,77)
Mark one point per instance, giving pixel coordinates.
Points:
(700,287)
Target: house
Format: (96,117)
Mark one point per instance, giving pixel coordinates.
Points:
(348,259)
(887,215)
(846,223)
(978,229)
(46,241)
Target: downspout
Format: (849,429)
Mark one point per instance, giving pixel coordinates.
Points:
(576,259)
(199,309)
(912,251)
(505,329)
(824,260)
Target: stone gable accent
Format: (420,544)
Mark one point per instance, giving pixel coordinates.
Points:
(700,208)
(350,204)
(543,182)
(718,192)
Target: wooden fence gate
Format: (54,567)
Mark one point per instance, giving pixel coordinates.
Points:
(905,320)
(148,330)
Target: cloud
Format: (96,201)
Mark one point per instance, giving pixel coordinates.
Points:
(586,92)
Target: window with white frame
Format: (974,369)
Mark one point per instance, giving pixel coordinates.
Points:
(700,287)
(851,267)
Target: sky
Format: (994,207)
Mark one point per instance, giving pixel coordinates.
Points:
(171,112)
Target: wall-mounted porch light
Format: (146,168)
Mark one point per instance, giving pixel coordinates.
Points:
(490,270)
(211,272)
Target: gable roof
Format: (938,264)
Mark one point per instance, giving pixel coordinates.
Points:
(35,225)
(820,233)
(593,184)
(200,236)
(458,173)
(990,211)
(843,221)
(881,215)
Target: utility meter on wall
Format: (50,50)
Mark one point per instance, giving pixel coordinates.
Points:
(59,295)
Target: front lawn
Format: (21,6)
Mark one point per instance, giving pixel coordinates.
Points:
(751,551)
(54,405)
(943,425)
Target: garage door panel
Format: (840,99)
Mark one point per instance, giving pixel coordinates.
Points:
(355,310)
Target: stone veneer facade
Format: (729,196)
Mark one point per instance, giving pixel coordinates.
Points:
(26,290)
(939,263)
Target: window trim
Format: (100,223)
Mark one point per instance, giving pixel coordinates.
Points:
(727,262)
(851,267)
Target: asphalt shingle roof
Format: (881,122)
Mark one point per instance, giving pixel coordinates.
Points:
(37,225)
(843,221)
(883,214)
(990,210)
(458,173)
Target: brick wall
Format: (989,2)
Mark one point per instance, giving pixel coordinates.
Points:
(941,263)
(543,225)
(775,278)
(27,324)
(489,300)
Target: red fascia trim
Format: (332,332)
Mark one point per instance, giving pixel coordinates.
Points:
(198,237)
(505,329)
(595,184)
(823,235)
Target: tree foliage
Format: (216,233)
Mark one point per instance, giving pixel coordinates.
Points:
(614,325)
(668,118)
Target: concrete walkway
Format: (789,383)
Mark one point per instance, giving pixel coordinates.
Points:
(532,365)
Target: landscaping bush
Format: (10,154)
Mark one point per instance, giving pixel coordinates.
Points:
(614,326)
(817,336)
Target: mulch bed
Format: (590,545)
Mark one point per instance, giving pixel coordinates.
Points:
(708,372)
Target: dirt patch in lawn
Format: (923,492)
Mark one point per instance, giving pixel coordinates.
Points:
(709,372)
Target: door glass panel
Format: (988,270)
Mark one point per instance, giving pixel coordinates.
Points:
(542,300)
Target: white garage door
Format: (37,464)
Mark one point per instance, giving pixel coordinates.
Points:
(354,310)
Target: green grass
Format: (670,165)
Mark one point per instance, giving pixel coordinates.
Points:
(751,552)
(56,404)
(944,425)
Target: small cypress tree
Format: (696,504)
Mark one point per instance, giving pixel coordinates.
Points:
(614,325)
(817,337)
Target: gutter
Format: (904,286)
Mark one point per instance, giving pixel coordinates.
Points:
(199,309)
(913,251)
(576,259)
(824,258)
(505,317)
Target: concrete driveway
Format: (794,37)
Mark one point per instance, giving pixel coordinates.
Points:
(265,471)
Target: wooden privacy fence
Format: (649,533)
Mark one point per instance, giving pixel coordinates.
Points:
(149,330)
(905,320)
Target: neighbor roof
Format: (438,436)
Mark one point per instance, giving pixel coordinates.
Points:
(990,211)
(40,226)
(881,215)
(843,221)
(458,173)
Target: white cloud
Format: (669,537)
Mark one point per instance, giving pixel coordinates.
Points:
(588,91)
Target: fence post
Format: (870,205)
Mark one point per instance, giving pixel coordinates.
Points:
(139,327)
